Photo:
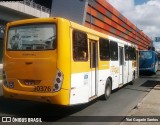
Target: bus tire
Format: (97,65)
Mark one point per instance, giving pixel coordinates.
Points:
(108,89)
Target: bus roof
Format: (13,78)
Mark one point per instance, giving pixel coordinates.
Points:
(148,51)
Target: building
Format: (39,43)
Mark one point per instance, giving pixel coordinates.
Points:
(101,16)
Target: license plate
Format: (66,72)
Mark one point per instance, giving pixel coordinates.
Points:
(29,82)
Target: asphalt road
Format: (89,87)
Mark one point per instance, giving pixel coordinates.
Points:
(121,102)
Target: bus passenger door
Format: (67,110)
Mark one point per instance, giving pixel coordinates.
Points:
(137,63)
(121,65)
(126,65)
(93,67)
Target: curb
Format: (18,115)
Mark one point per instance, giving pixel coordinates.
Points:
(142,107)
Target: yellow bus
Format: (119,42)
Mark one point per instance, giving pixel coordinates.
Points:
(57,61)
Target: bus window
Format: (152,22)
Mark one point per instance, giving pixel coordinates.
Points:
(114,51)
(132,53)
(32,37)
(126,52)
(146,55)
(104,49)
(80,46)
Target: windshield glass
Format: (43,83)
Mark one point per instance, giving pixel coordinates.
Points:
(32,37)
(146,55)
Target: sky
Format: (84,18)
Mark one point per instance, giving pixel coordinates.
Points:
(140,1)
(145,14)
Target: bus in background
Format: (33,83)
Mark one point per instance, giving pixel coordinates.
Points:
(148,61)
(58,61)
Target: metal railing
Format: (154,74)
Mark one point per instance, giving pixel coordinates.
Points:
(36,6)
(32,4)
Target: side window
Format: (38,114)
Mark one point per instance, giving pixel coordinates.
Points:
(132,53)
(126,52)
(104,49)
(114,51)
(129,53)
(80,46)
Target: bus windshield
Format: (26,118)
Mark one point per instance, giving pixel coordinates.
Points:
(32,37)
(145,55)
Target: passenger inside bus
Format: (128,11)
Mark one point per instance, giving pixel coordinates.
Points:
(83,55)
(15,42)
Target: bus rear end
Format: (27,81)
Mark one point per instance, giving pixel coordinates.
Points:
(31,68)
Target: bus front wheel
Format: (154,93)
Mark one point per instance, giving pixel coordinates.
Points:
(108,89)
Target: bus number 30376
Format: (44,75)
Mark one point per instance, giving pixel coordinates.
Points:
(42,89)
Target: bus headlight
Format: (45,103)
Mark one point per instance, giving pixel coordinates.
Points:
(58,81)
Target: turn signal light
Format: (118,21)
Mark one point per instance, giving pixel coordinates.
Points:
(6,83)
(58,81)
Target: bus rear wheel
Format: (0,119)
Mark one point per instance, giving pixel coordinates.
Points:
(108,89)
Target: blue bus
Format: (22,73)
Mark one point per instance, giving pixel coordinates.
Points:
(148,61)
